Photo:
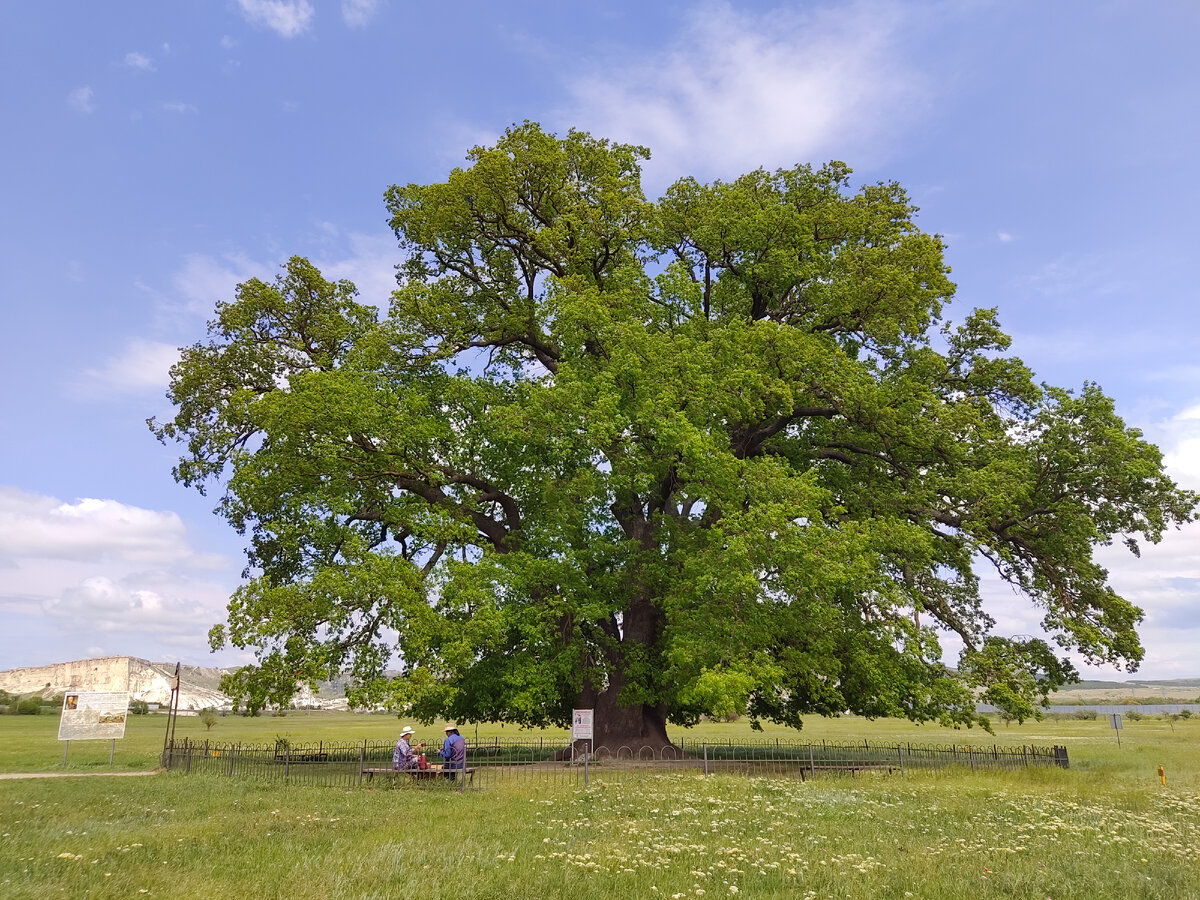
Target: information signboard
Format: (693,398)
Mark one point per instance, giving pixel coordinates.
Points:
(581,725)
(93,715)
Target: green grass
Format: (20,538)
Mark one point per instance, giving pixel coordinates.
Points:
(1104,828)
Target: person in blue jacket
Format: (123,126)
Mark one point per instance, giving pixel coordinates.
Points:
(454,750)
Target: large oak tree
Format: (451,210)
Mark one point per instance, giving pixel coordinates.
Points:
(711,454)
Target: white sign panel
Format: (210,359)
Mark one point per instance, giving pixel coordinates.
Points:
(581,725)
(93,715)
(1115,719)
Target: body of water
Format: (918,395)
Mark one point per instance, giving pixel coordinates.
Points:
(1107,708)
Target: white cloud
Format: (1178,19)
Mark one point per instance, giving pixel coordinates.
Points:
(228,42)
(34,526)
(356,13)
(178,106)
(737,91)
(1164,581)
(82,99)
(287,18)
(1085,339)
(100,605)
(452,137)
(368,260)
(135,60)
(1004,237)
(101,566)
(1178,436)
(203,281)
(370,264)
(142,366)
(1084,277)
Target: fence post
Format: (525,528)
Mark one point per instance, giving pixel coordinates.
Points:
(706,760)
(362,753)
(189,760)
(287,760)
(812,766)
(900,753)
(971,757)
(232,751)
(1060,757)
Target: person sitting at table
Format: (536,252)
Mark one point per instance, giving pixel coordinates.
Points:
(405,755)
(454,750)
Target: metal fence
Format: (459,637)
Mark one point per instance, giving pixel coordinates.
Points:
(551,760)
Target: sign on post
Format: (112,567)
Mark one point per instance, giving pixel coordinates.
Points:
(581,730)
(1115,720)
(581,725)
(93,715)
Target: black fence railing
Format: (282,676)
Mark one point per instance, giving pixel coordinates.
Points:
(554,759)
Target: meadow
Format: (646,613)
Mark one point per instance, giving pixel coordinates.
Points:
(1106,827)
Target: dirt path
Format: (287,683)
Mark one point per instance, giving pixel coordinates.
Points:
(6,776)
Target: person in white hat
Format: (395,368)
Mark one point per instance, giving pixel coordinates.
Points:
(405,756)
(454,751)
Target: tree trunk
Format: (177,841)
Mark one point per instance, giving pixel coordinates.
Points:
(633,727)
(640,725)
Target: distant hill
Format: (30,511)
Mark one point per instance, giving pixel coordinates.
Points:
(199,686)
(144,680)
(1139,689)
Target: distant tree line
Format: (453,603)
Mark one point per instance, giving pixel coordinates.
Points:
(28,704)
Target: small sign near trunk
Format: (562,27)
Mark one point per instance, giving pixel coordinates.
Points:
(581,725)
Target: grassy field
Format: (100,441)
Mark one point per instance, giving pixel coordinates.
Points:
(1106,827)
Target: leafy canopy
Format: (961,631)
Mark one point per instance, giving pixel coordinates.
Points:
(714,453)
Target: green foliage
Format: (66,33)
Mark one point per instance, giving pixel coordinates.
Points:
(1134,716)
(30,706)
(208,718)
(138,707)
(712,454)
(1084,714)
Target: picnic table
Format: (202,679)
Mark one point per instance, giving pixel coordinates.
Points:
(418,775)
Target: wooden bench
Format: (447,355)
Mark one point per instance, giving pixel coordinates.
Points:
(419,774)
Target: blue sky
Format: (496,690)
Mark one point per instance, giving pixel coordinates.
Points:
(157,154)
